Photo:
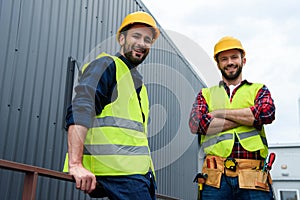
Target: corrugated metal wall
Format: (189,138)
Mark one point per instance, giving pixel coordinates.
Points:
(36,39)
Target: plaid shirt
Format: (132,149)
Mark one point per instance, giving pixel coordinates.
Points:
(263,111)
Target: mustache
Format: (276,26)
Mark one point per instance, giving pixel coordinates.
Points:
(137,49)
(140,49)
(231,65)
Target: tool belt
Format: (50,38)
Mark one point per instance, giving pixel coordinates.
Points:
(249,172)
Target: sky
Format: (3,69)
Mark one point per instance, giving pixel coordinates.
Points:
(269,31)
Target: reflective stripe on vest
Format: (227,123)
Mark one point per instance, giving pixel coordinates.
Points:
(252,133)
(229,136)
(112,149)
(217,139)
(118,122)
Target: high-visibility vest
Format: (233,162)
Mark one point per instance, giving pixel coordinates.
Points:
(251,139)
(117,143)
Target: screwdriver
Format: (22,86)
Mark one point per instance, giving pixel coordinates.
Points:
(268,164)
(271,161)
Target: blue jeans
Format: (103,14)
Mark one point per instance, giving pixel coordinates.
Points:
(132,187)
(229,190)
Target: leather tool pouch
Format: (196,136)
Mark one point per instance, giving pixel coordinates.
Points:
(254,179)
(214,177)
(214,173)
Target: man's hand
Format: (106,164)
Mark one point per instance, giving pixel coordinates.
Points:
(85,180)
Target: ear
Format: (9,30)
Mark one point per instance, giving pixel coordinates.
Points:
(244,60)
(122,39)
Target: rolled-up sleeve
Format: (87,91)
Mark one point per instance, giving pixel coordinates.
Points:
(199,116)
(92,93)
(264,108)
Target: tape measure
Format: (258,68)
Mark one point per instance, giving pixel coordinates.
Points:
(230,163)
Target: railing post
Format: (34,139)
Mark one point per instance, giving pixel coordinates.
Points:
(30,183)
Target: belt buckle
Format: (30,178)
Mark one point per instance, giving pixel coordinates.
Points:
(230,164)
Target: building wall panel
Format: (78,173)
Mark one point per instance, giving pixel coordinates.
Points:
(37,37)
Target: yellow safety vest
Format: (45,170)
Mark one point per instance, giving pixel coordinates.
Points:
(117,143)
(251,139)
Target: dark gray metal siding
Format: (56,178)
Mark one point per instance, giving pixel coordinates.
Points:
(36,39)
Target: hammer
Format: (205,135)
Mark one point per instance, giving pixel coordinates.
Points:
(200,179)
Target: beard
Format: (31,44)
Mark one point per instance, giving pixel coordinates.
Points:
(232,76)
(132,56)
(134,59)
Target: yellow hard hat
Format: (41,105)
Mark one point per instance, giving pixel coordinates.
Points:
(139,17)
(227,43)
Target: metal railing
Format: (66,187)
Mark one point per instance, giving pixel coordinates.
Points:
(32,173)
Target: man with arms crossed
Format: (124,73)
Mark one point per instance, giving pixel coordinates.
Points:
(230,118)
